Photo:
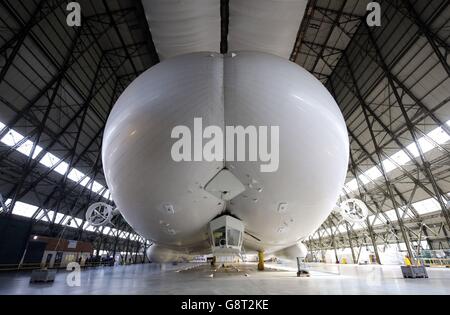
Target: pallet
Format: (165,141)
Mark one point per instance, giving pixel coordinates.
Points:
(42,276)
(303,273)
(416,277)
(414,272)
(41,281)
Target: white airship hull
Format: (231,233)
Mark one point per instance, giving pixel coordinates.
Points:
(166,201)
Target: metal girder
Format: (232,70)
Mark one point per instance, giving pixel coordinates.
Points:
(380,164)
(347,226)
(330,32)
(428,34)
(309,13)
(119,35)
(154,58)
(418,102)
(368,155)
(19,39)
(81,110)
(63,181)
(224,21)
(26,170)
(425,164)
(94,169)
(58,76)
(36,17)
(368,224)
(64,89)
(406,151)
(329,11)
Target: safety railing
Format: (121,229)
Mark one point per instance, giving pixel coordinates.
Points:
(32,266)
(435,262)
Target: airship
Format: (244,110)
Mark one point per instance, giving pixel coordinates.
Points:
(209,153)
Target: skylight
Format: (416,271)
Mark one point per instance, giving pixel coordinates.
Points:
(427,206)
(437,135)
(49,160)
(26,210)
(422,207)
(373,173)
(391,215)
(106,230)
(401,158)
(342,229)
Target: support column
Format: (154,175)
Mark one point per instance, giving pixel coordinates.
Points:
(322,252)
(335,251)
(334,243)
(127,247)
(144,252)
(425,167)
(260,260)
(374,243)
(380,164)
(444,230)
(355,261)
(115,246)
(429,242)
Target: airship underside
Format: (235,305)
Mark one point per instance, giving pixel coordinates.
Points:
(281,188)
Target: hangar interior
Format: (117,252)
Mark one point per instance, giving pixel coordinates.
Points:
(58,85)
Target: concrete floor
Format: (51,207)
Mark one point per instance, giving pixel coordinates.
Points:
(168,279)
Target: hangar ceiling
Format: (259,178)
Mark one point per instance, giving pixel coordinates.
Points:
(391,83)
(58,84)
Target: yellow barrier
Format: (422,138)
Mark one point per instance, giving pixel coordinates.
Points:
(260,260)
(407,261)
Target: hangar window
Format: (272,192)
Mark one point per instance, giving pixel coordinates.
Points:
(219,237)
(391,215)
(49,160)
(426,206)
(24,209)
(439,135)
(401,158)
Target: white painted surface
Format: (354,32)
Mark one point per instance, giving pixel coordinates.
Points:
(185,26)
(269,26)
